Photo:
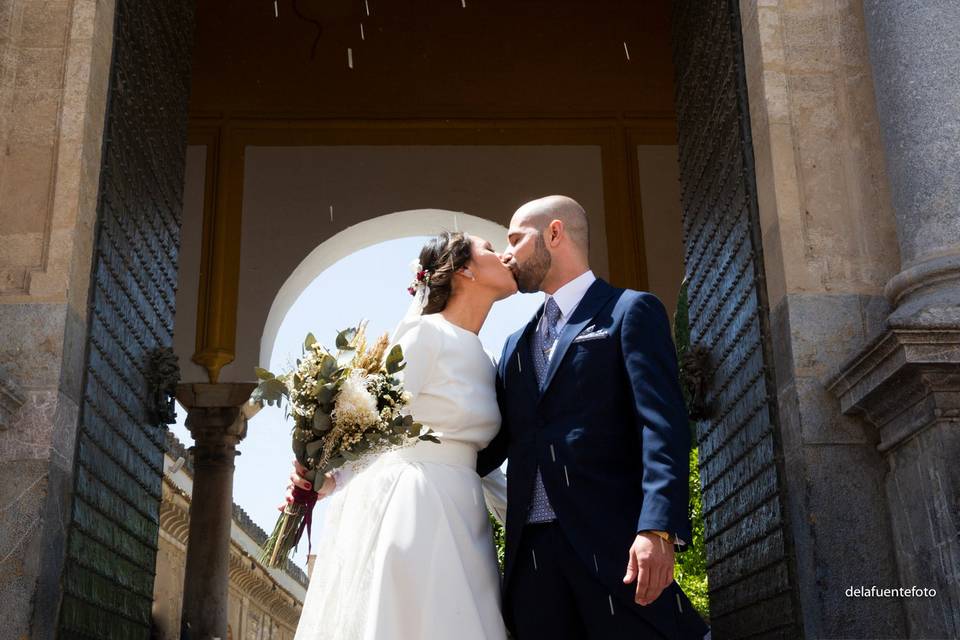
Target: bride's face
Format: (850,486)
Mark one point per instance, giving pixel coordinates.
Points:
(489,271)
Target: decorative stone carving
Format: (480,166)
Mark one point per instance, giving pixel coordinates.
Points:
(163,375)
(905,381)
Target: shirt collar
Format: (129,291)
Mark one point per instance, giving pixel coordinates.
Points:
(569,295)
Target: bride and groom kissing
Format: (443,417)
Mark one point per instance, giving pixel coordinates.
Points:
(584,403)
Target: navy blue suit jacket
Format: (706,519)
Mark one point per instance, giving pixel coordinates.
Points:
(608,429)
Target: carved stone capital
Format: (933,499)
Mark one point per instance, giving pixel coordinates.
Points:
(903,382)
(217,417)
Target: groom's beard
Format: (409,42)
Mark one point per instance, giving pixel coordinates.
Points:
(531,273)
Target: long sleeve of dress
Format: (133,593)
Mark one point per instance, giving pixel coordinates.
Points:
(421,345)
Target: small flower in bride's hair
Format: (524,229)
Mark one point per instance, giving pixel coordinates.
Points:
(421,278)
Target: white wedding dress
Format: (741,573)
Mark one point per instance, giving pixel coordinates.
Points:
(406,552)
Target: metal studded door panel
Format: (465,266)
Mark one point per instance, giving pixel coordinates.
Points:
(112,542)
(750,570)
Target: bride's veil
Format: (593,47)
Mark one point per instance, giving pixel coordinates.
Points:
(414,311)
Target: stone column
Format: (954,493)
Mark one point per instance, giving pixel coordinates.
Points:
(217,417)
(916,70)
(907,381)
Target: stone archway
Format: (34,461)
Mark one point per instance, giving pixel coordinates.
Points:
(417,222)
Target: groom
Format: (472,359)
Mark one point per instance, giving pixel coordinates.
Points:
(595,429)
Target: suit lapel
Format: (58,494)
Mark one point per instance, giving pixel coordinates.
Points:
(522,359)
(593,300)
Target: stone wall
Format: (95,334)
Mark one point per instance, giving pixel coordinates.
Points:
(830,245)
(54,64)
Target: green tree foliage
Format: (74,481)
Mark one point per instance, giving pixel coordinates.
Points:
(499,539)
(691,569)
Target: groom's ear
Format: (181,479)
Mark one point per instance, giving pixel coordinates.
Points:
(554,232)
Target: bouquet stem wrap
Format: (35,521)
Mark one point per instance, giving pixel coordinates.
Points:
(296,518)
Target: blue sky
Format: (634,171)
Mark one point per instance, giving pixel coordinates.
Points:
(369,284)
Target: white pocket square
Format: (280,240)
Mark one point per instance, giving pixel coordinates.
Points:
(591,335)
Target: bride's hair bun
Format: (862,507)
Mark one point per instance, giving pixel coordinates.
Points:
(443,256)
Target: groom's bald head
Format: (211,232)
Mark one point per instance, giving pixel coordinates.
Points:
(547,243)
(541,212)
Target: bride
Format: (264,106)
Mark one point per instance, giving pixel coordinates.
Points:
(405,552)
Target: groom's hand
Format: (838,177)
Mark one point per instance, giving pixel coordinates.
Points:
(650,562)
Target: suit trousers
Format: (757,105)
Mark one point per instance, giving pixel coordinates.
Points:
(553,595)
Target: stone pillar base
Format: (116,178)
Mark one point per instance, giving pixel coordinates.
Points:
(927,294)
(907,384)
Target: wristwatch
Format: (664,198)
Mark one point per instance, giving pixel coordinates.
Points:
(663,534)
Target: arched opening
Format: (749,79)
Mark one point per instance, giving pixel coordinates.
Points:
(403,224)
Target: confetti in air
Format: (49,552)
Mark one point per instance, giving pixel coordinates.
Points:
(276,10)
(463,3)
(366,5)
(350,58)
(362,35)
(331,207)
(626,51)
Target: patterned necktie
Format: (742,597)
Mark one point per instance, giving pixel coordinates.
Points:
(544,339)
(543,342)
